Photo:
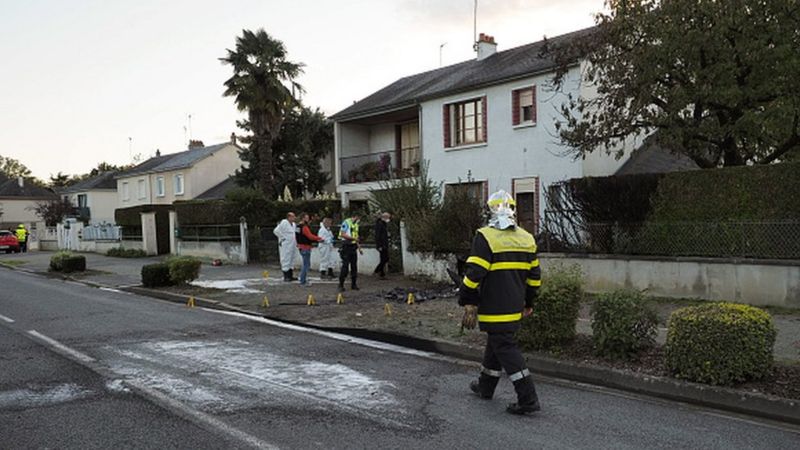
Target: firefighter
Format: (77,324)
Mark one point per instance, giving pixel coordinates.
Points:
(501,280)
(22,237)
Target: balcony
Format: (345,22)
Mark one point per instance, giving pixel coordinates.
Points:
(380,166)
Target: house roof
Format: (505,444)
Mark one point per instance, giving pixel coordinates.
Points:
(174,161)
(105,180)
(515,63)
(9,188)
(652,157)
(219,191)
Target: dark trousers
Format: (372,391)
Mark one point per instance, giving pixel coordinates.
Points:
(23,246)
(502,353)
(381,267)
(349,255)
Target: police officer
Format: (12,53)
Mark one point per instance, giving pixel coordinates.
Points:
(22,237)
(501,280)
(348,234)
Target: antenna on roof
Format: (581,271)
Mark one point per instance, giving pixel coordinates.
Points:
(475,27)
(190,127)
(130,147)
(440,53)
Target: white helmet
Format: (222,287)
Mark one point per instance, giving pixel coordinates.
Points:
(502,206)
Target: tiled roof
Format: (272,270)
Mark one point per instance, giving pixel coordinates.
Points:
(174,161)
(105,180)
(515,63)
(11,188)
(219,191)
(651,157)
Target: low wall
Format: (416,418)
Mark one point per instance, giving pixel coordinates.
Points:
(101,247)
(227,251)
(764,283)
(50,246)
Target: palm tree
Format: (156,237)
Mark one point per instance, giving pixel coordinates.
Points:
(263,84)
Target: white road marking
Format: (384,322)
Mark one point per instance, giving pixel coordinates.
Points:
(31,398)
(343,337)
(201,417)
(108,289)
(7,319)
(61,347)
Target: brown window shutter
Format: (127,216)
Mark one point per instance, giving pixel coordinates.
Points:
(446,125)
(515,107)
(484,116)
(533,104)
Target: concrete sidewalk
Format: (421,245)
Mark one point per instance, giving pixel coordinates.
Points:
(123,272)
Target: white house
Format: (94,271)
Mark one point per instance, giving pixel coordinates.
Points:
(95,198)
(164,179)
(483,125)
(18,199)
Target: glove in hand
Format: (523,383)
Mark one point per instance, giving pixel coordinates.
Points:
(470,319)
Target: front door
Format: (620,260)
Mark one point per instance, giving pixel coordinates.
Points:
(526,211)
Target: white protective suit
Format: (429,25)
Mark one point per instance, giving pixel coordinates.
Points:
(287,243)
(326,253)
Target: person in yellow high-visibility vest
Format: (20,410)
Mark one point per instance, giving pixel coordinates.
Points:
(22,237)
(501,280)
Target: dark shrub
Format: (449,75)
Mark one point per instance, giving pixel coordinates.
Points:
(155,275)
(57,261)
(183,269)
(622,324)
(720,343)
(73,263)
(555,312)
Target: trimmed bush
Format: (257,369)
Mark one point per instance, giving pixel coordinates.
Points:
(622,324)
(720,343)
(57,261)
(73,263)
(555,312)
(183,269)
(156,275)
(120,252)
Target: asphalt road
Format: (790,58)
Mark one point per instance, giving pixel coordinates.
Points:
(88,368)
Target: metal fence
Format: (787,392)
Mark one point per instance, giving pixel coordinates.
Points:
(380,166)
(102,232)
(736,239)
(213,233)
(263,245)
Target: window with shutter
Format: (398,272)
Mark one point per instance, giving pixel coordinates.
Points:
(465,122)
(523,104)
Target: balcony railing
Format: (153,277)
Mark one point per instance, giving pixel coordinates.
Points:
(380,166)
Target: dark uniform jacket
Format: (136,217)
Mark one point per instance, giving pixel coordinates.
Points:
(502,277)
(381,234)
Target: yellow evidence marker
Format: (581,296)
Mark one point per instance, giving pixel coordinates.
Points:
(265,274)
(340,299)
(190,302)
(410,300)
(311,301)
(387,309)
(265,303)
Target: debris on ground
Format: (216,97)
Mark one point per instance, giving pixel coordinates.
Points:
(400,295)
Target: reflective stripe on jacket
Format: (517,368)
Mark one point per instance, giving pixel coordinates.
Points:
(502,277)
(350,228)
(22,234)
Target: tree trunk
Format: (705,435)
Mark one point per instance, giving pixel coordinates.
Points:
(262,141)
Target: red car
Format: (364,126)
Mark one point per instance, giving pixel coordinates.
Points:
(8,242)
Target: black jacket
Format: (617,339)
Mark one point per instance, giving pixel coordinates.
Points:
(502,277)
(381,234)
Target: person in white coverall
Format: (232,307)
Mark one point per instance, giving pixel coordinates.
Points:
(287,245)
(326,255)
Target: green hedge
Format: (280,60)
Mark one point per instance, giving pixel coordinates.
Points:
(251,205)
(156,275)
(720,343)
(751,193)
(67,262)
(622,324)
(555,311)
(183,269)
(132,216)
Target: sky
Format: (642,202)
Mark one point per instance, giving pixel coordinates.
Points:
(86,81)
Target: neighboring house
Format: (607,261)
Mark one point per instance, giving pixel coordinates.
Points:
(219,191)
(483,125)
(164,179)
(94,198)
(18,198)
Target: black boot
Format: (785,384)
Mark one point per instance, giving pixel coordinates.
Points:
(484,387)
(331,275)
(527,400)
(286,275)
(322,275)
(291,275)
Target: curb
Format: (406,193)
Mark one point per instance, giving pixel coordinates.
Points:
(721,398)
